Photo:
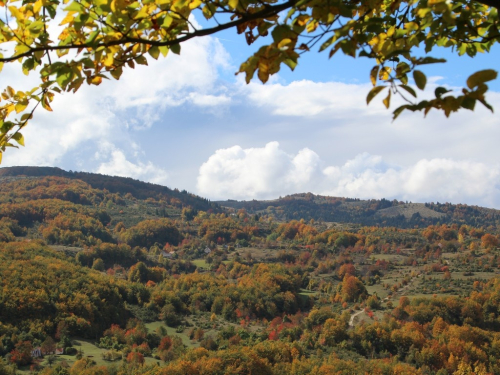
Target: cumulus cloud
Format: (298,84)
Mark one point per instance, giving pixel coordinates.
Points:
(114,112)
(306,98)
(267,172)
(118,165)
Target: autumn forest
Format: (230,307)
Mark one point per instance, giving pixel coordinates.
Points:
(104,275)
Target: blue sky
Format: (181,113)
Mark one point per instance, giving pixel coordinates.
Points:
(188,122)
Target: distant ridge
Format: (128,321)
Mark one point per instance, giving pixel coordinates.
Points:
(381,212)
(115,184)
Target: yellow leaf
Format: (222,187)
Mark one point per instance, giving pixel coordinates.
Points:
(284,42)
(412,26)
(21,106)
(96,80)
(384,73)
(68,19)
(167,21)
(434,2)
(302,20)
(387,100)
(196,3)
(373,74)
(233,3)
(45,104)
(37,6)
(109,60)
(312,26)
(391,31)
(19,16)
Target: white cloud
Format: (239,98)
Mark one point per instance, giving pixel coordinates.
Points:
(118,165)
(307,98)
(268,172)
(112,113)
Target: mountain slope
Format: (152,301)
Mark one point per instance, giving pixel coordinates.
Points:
(115,184)
(368,212)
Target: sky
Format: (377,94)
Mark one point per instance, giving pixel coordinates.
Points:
(189,122)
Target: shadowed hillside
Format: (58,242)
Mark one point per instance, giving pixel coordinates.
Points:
(368,212)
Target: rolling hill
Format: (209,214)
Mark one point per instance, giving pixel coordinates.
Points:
(381,212)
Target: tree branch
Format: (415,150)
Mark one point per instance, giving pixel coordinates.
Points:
(490,3)
(264,13)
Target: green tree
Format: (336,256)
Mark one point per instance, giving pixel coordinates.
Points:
(110,36)
(98,264)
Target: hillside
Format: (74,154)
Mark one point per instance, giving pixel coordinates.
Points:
(114,184)
(99,282)
(368,212)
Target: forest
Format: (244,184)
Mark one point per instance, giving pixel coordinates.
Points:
(104,276)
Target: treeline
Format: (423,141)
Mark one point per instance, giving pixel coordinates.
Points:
(121,185)
(364,212)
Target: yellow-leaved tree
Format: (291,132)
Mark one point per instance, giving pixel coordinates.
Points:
(106,37)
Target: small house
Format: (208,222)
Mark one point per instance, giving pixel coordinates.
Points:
(168,255)
(36,352)
(207,250)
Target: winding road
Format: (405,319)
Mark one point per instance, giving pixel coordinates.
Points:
(359,312)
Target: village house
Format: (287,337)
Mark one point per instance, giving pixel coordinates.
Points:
(168,255)
(37,352)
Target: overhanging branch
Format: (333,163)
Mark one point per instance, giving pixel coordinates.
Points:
(269,11)
(490,3)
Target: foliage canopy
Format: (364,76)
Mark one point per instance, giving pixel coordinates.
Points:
(99,39)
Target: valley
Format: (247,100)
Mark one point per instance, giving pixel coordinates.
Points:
(124,277)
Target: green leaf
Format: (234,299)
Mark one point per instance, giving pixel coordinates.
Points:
(92,37)
(373,93)
(420,79)
(141,60)
(430,60)
(64,78)
(409,89)
(116,73)
(440,91)
(481,77)
(398,111)
(468,103)
(28,65)
(73,7)
(163,50)
(290,63)
(176,48)
(19,138)
(35,27)
(154,51)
